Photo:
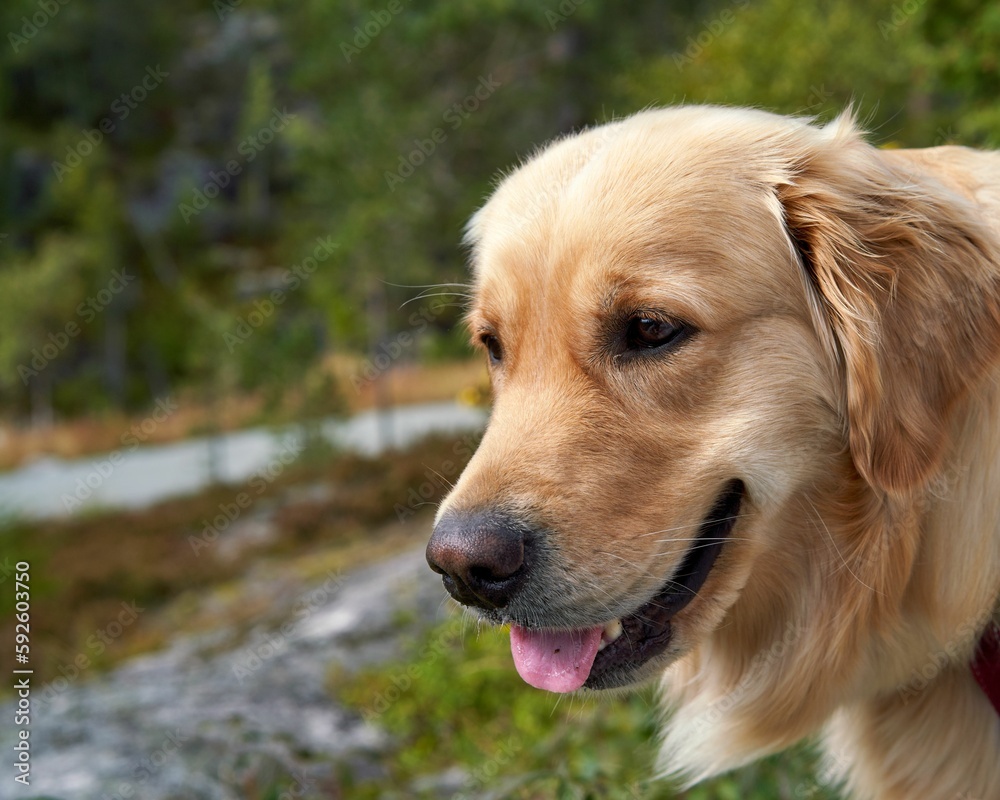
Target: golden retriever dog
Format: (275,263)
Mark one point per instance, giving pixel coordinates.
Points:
(745,439)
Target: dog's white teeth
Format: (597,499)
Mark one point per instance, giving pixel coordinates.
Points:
(611,632)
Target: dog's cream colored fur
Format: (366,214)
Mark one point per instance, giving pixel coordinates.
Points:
(847,303)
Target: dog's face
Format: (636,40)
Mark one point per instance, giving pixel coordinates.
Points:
(668,387)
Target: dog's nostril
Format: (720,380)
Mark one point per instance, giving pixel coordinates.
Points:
(481,557)
(483,575)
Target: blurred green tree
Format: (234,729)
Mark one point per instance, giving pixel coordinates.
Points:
(204,149)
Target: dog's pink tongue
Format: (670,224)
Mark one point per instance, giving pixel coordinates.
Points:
(558,661)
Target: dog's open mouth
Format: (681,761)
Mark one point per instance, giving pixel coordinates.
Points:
(608,656)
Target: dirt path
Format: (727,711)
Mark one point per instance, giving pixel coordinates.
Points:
(213,718)
(135,476)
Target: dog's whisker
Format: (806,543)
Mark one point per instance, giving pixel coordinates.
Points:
(621,558)
(702,543)
(445,603)
(559,698)
(645,572)
(680,587)
(707,539)
(436,294)
(688,549)
(606,607)
(595,586)
(426,285)
(424,294)
(679,552)
(669,583)
(833,541)
(693,525)
(442,477)
(668,530)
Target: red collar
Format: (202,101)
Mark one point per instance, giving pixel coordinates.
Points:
(986,664)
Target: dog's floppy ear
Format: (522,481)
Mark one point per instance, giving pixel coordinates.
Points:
(907,274)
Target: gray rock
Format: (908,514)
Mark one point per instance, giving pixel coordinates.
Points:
(199,721)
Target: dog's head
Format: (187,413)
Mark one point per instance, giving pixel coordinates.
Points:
(712,333)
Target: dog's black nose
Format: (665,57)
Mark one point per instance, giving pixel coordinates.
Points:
(481,557)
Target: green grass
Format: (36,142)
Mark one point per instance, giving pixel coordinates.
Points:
(458,702)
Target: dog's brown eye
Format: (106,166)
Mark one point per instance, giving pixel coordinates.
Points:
(492,344)
(645,333)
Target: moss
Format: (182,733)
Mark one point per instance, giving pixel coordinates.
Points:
(457,701)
